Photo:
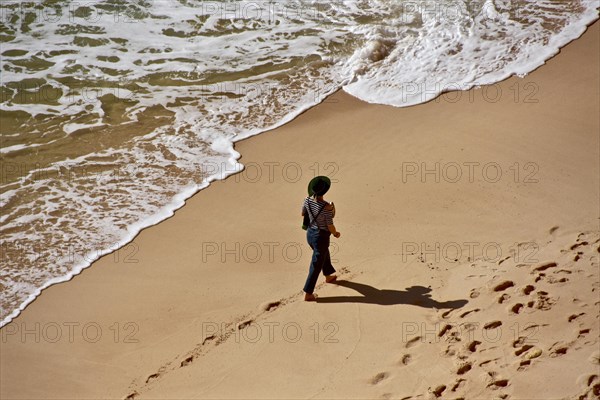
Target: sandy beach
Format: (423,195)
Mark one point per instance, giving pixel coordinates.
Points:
(468,263)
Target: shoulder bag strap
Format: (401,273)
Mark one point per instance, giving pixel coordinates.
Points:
(310,212)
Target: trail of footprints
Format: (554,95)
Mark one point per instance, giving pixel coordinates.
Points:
(212,341)
(519,298)
(202,348)
(529,299)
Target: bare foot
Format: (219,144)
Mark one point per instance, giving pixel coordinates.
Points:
(330,278)
(310,297)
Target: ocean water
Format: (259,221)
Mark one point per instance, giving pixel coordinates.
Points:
(113,112)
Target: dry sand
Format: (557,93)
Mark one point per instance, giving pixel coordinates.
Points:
(473,286)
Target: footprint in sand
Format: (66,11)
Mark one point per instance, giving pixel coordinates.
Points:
(523,365)
(544,302)
(528,289)
(444,330)
(378,378)
(244,324)
(530,304)
(519,342)
(474,293)
(505,297)
(406,359)
(591,379)
(187,361)
(469,312)
(553,280)
(449,352)
(559,352)
(464,368)
(152,377)
(500,383)
(486,362)
(558,349)
(575,316)
(473,346)
(492,325)
(468,327)
(459,383)
(413,342)
(439,390)
(536,327)
(577,245)
(528,352)
(523,349)
(596,387)
(590,382)
(269,305)
(545,266)
(504,259)
(516,309)
(503,286)
(565,271)
(583,333)
(208,339)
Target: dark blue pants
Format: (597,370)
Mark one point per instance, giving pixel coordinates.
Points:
(318,240)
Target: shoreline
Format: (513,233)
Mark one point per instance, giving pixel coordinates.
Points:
(181,199)
(249,189)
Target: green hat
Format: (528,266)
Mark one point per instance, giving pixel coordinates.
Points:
(319,186)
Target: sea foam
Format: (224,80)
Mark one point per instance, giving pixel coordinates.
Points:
(82,177)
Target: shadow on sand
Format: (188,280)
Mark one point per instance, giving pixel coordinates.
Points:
(414,295)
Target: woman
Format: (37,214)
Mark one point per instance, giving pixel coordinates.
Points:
(320,228)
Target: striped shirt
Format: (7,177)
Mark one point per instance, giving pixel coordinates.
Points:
(325,217)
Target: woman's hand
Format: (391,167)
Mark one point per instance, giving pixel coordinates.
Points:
(333,231)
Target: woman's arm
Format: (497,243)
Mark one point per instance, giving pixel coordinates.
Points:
(333,231)
(330,225)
